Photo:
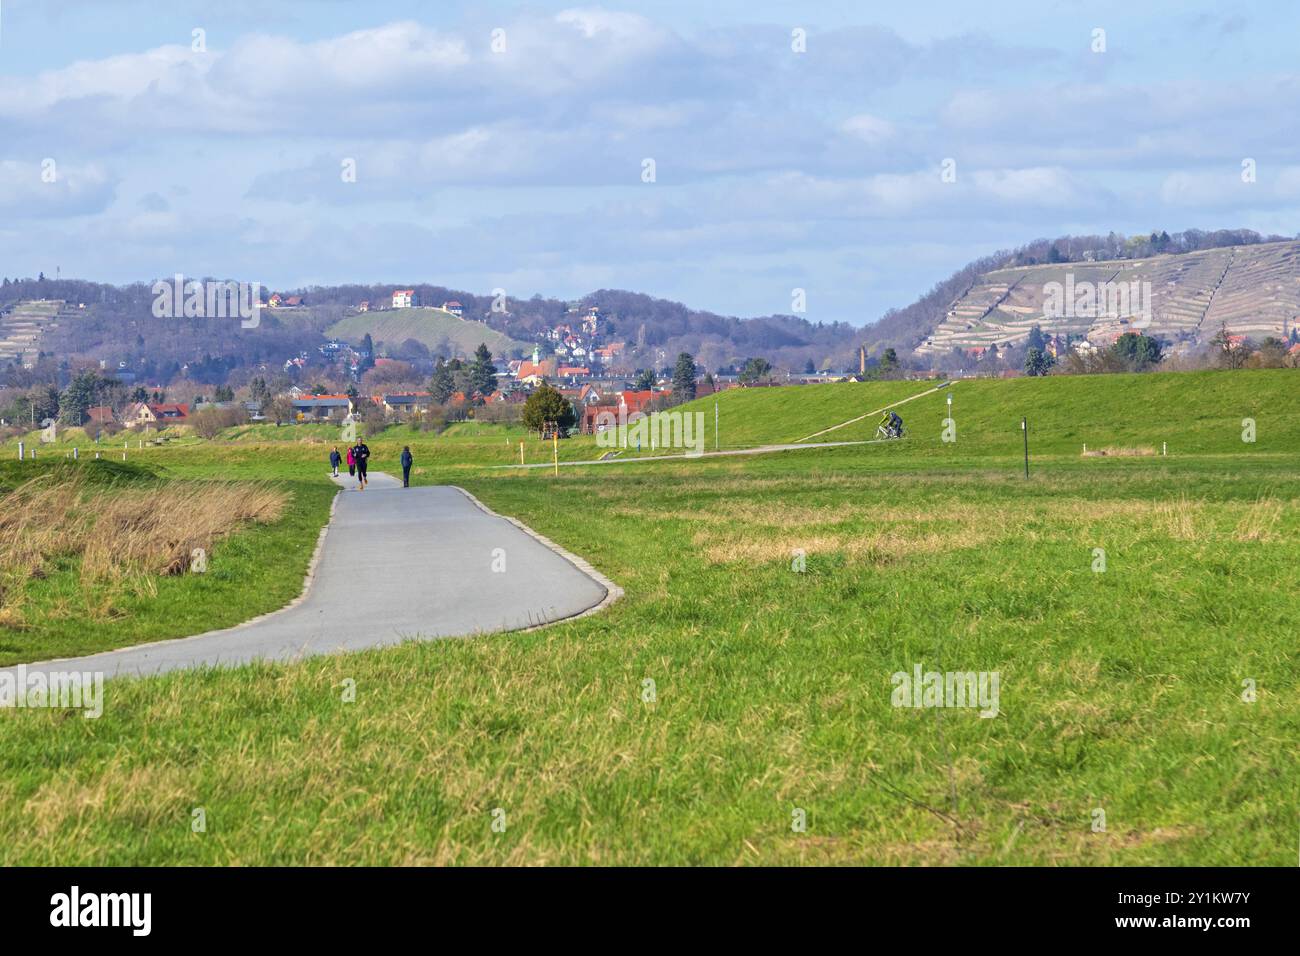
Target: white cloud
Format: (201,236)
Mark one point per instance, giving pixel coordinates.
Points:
(872,130)
(51,189)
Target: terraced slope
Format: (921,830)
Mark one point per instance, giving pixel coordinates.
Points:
(1253,290)
(22,326)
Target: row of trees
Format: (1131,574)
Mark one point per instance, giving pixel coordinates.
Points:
(1133,352)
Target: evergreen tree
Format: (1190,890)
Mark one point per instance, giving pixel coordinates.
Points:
(684,377)
(755,370)
(482,373)
(1139,352)
(367,355)
(443,384)
(79,397)
(1037,362)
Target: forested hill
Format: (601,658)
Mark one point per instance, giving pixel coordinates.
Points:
(117,322)
(118,319)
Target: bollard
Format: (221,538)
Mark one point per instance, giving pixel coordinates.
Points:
(74,453)
(21,449)
(96,456)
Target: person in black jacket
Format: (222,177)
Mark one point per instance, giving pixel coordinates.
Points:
(335,460)
(362,454)
(407,460)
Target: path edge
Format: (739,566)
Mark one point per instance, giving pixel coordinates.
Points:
(612,591)
(302,596)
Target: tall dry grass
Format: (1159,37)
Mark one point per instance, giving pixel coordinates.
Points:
(123,536)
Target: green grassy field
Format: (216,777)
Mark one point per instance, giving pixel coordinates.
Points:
(1121,690)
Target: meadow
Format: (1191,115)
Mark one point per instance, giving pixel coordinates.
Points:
(1148,705)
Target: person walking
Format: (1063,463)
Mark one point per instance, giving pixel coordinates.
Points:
(335,459)
(362,454)
(407,461)
(352,462)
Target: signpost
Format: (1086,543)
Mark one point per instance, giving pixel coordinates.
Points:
(1024,427)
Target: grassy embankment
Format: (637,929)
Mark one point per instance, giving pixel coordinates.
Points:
(1120,690)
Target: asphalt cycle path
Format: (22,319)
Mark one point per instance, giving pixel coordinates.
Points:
(395,564)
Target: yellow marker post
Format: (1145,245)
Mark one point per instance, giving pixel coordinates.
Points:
(521,453)
(555,441)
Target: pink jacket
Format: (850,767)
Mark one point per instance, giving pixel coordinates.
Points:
(350,461)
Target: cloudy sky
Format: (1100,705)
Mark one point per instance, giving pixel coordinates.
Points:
(505,145)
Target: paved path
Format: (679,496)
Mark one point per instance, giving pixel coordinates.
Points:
(682,456)
(397,563)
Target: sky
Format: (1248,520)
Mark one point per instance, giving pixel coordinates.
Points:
(721,154)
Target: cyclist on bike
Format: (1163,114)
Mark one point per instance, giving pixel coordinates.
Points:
(892,423)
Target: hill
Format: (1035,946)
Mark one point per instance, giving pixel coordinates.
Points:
(1194,412)
(1252,290)
(22,327)
(442,332)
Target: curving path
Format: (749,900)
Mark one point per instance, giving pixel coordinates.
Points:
(395,564)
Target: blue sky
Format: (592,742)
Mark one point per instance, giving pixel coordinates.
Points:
(127,154)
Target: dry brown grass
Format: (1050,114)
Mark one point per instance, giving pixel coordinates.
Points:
(1110,452)
(122,535)
(1260,522)
(756,532)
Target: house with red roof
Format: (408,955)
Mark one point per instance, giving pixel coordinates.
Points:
(405,299)
(636,401)
(532,373)
(100,415)
(155,415)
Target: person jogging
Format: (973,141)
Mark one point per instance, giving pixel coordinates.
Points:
(407,461)
(352,462)
(335,460)
(362,455)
